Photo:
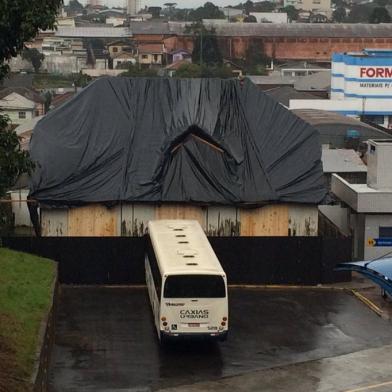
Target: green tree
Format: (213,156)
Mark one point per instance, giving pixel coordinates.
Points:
(207,11)
(135,71)
(359,13)
(189,71)
(250,19)
(81,79)
(339,15)
(205,45)
(13,161)
(20,21)
(203,71)
(75,6)
(34,56)
(264,6)
(379,15)
(248,7)
(339,3)
(292,12)
(255,57)
(155,12)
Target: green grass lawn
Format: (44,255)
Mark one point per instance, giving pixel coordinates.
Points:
(25,298)
(44,81)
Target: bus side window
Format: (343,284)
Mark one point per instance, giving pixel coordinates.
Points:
(154,268)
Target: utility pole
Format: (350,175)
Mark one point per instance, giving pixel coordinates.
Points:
(201,46)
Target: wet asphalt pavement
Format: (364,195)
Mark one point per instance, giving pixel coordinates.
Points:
(106,341)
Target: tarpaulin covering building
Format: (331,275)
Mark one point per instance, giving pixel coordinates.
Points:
(175,140)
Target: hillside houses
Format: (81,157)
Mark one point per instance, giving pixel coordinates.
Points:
(21,104)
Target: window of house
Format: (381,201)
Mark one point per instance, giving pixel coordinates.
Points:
(22,115)
(385,232)
(144,56)
(115,50)
(155,57)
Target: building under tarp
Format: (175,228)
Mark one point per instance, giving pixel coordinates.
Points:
(190,141)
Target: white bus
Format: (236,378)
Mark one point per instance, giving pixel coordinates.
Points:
(186,283)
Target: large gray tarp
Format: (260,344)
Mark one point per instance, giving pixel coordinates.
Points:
(175,140)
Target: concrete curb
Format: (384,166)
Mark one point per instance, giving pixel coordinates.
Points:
(40,376)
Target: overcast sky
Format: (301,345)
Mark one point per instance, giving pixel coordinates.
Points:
(181,3)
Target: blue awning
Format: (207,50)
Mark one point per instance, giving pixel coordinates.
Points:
(379,271)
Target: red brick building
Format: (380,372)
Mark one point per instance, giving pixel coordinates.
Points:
(296,41)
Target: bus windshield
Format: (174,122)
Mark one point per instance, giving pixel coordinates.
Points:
(194,286)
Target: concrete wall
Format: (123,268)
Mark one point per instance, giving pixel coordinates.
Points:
(338,215)
(372,225)
(63,64)
(14,115)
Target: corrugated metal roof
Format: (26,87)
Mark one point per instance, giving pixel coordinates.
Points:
(342,161)
(319,81)
(305,30)
(150,28)
(331,30)
(317,117)
(93,32)
(333,127)
(283,94)
(274,79)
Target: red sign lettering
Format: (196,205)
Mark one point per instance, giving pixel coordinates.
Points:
(375,72)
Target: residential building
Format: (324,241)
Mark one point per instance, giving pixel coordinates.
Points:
(360,87)
(270,17)
(314,6)
(179,55)
(369,205)
(171,69)
(117,47)
(21,104)
(284,42)
(123,58)
(150,55)
(66,21)
(115,20)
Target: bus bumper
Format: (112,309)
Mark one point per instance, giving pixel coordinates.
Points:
(216,336)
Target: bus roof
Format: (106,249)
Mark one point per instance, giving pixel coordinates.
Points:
(181,247)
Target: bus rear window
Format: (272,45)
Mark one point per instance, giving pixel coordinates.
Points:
(194,286)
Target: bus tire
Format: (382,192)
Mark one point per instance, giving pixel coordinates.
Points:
(223,338)
(163,340)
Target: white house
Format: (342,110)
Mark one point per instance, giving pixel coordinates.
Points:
(20,104)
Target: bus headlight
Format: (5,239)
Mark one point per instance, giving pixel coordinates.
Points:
(164,323)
